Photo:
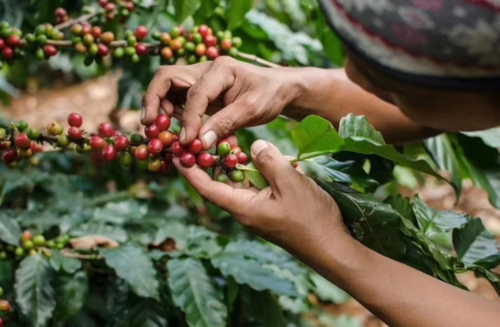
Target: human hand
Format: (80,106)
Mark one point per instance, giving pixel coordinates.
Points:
(235,93)
(293,212)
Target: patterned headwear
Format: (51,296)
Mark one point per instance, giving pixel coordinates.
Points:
(452,44)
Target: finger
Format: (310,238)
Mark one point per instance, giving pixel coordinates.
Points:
(275,168)
(210,86)
(166,107)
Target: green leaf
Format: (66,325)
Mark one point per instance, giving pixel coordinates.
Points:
(185,8)
(373,223)
(263,309)
(401,204)
(315,136)
(133,265)
(3,190)
(69,265)
(147,313)
(254,175)
(120,212)
(473,242)
(340,321)
(491,137)
(202,243)
(205,11)
(433,221)
(71,294)
(359,127)
(236,11)
(95,228)
(238,261)
(117,303)
(35,295)
(10,232)
(332,46)
(327,291)
(490,262)
(193,292)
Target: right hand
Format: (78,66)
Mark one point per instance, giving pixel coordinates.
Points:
(236,94)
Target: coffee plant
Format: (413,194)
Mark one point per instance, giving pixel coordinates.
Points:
(96,230)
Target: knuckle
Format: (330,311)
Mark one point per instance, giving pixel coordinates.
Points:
(163,71)
(223,61)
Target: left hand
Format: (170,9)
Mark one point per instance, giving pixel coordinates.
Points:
(293,212)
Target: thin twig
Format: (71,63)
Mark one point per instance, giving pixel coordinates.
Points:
(75,21)
(70,254)
(258,60)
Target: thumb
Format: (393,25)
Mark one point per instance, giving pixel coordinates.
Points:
(222,124)
(275,168)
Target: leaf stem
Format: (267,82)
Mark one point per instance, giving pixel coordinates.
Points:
(75,21)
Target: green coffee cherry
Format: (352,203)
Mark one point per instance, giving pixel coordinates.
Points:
(118,53)
(224,148)
(126,159)
(63,141)
(22,126)
(41,39)
(222,178)
(237,176)
(130,51)
(33,134)
(39,240)
(137,139)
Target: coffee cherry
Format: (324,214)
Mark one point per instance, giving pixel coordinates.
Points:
(226,44)
(154,164)
(103,3)
(167,53)
(22,141)
(141,49)
(121,143)
(96,32)
(205,160)
(75,120)
(63,141)
(25,153)
(165,38)
(109,153)
(2,43)
(165,166)
(235,149)
(188,160)
(77,30)
(152,131)
(130,6)
(242,158)
(137,139)
(97,143)
(26,236)
(5,305)
(222,178)
(33,253)
(224,148)
(19,252)
(155,147)
(192,59)
(237,42)
(50,50)
(237,176)
(142,152)
(81,48)
(176,45)
(88,39)
(210,41)
(110,7)
(60,12)
(14,41)
(106,130)
(166,138)
(118,53)
(7,53)
(103,50)
(75,133)
(125,159)
(163,122)
(141,33)
(233,52)
(177,149)
(231,161)
(1,292)
(175,32)
(108,37)
(212,53)
(203,30)
(200,49)
(39,240)
(196,147)
(28,245)
(55,129)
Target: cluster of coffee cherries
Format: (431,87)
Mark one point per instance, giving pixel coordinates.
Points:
(4,306)
(31,245)
(113,8)
(158,146)
(10,44)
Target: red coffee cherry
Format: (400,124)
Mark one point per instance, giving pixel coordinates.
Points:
(167,138)
(155,147)
(167,53)
(169,157)
(177,149)
(50,50)
(60,12)
(165,166)
(2,44)
(142,152)
(176,45)
(130,6)
(36,148)
(103,50)
(96,32)
(152,131)
(103,3)
(210,41)
(7,53)
(203,30)
(109,153)
(22,141)
(14,41)
(75,120)
(205,160)
(106,130)
(86,28)
(75,133)
(231,161)
(97,143)
(141,49)
(163,122)
(195,147)
(188,160)
(242,158)
(212,53)
(110,7)
(27,236)
(121,143)
(141,33)
(10,156)
(235,149)
(5,306)
(1,322)
(165,38)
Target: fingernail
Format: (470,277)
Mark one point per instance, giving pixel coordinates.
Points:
(182,136)
(143,114)
(209,138)
(258,147)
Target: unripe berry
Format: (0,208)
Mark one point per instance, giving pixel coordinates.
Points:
(63,141)
(75,120)
(23,141)
(177,149)
(222,178)
(165,38)
(77,30)
(224,148)
(205,160)
(231,161)
(109,153)
(242,158)
(88,39)
(203,30)
(5,305)
(210,41)
(27,236)
(233,52)
(41,39)
(188,160)
(22,125)
(237,176)
(118,53)
(55,129)
(163,122)
(176,45)
(106,130)
(103,50)
(121,143)
(192,59)
(141,32)
(108,37)
(19,252)
(167,53)
(25,153)
(200,49)
(81,48)
(126,159)
(97,143)
(190,47)
(154,165)
(212,53)
(1,292)
(166,138)
(137,139)
(152,131)
(39,240)
(130,51)
(3,134)
(142,152)
(195,147)
(237,42)
(75,133)
(141,49)
(96,32)
(155,146)
(33,134)
(197,38)
(28,245)
(226,44)
(135,58)
(175,32)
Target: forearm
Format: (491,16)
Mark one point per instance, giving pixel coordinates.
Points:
(330,94)
(396,293)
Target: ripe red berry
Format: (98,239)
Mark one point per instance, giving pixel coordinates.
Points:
(5,306)
(7,53)
(106,130)
(23,141)
(1,322)
(75,120)
(155,147)
(2,44)
(167,138)
(109,153)
(242,158)
(141,49)
(86,28)
(50,50)
(10,156)
(110,7)
(203,30)
(103,3)
(27,236)
(188,160)
(96,32)
(75,133)
(60,12)
(14,41)
(235,149)
(130,6)
(165,166)
(182,30)
(121,143)
(141,152)
(97,143)
(152,131)
(177,149)
(226,44)
(141,32)
(103,50)
(212,53)
(210,41)
(163,122)
(205,160)
(36,148)
(231,161)
(196,147)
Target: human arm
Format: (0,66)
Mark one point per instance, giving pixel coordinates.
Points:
(299,216)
